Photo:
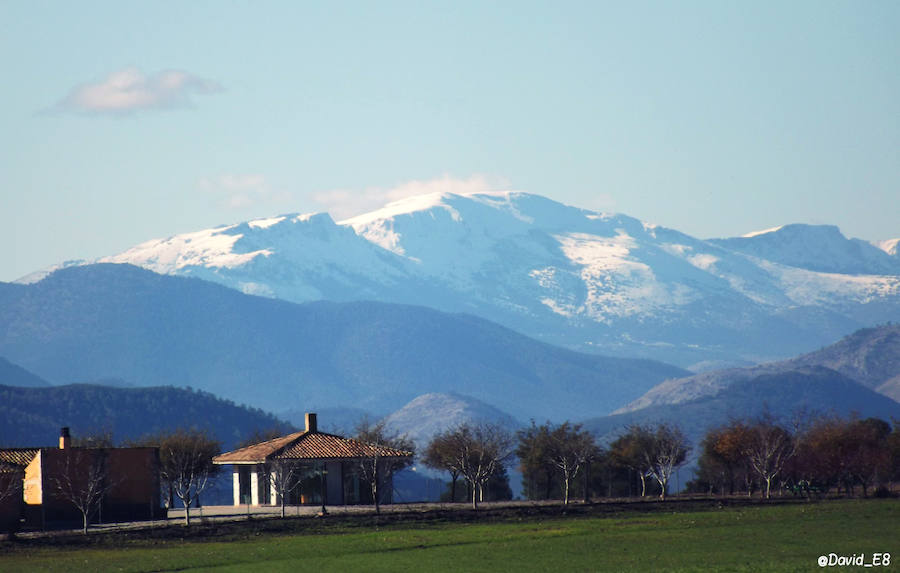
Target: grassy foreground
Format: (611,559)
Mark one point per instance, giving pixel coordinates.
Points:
(749,538)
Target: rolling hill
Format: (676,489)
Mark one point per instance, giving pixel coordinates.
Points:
(804,392)
(33,416)
(118,321)
(870,357)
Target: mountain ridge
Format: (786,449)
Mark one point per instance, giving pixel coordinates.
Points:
(590,281)
(33,416)
(803,392)
(120,321)
(870,357)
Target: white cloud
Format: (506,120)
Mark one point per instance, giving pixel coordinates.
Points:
(345,203)
(129,91)
(240,191)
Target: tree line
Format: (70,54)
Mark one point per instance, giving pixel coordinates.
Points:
(561,461)
(830,452)
(752,456)
(556,461)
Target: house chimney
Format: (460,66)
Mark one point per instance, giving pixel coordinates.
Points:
(311,423)
(65,440)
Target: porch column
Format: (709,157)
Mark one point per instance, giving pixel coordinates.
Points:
(236,485)
(274,494)
(254,486)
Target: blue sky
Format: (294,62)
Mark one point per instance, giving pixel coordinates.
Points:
(127,121)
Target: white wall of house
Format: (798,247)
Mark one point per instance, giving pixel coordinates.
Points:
(256,476)
(262,488)
(254,486)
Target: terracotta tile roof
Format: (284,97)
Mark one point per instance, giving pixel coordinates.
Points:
(321,446)
(307,446)
(257,452)
(18,456)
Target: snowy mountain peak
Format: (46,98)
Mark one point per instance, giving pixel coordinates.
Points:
(820,248)
(480,208)
(797,232)
(406,206)
(227,246)
(564,274)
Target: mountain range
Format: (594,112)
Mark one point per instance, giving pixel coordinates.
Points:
(855,376)
(116,321)
(498,306)
(794,396)
(870,357)
(591,281)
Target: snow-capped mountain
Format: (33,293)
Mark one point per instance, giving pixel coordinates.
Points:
(818,248)
(565,275)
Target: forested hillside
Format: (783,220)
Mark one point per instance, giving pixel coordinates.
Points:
(33,416)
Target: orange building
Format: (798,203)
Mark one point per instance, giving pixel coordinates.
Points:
(125,482)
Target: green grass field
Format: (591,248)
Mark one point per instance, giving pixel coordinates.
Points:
(749,538)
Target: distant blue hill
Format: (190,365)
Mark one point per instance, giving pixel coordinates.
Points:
(805,392)
(14,375)
(33,416)
(120,322)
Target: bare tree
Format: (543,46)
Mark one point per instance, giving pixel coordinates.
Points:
(185,460)
(627,451)
(768,447)
(478,452)
(439,455)
(664,451)
(537,471)
(83,480)
(869,458)
(723,461)
(100,438)
(11,480)
(570,449)
(285,476)
(845,452)
(379,467)
(892,443)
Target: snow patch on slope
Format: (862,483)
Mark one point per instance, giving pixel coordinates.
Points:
(265,223)
(810,288)
(890,246)
(214,248)
(618,283)
(763,232)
